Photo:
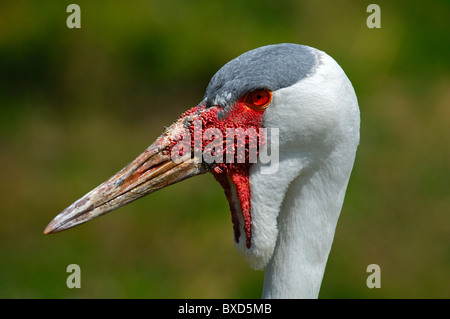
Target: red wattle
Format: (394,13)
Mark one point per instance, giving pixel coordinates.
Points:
(249,136)
(241,180)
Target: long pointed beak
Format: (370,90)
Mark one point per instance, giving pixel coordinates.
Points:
(150,171)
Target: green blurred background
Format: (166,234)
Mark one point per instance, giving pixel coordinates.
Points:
(76,105)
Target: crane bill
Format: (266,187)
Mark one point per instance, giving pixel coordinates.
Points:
(150,171)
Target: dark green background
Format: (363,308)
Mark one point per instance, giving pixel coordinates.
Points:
(76,105)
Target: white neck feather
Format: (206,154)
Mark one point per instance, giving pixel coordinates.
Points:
(306,227)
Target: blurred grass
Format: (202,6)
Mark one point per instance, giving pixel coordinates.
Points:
(77,105)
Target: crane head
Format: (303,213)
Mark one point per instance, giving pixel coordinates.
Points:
(290,99)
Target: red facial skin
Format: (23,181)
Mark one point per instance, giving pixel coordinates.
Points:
(243,116)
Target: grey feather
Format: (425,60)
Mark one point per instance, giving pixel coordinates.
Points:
(269,67)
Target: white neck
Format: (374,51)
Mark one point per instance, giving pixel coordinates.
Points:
(306,226)
(294,211)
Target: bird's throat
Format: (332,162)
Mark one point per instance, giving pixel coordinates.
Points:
(240,180)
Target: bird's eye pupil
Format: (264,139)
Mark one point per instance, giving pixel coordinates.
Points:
(258,100)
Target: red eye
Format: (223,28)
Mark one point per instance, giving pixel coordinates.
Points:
(258,99)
